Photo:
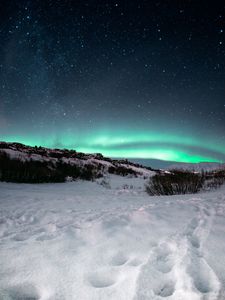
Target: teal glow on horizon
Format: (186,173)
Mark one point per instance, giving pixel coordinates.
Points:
(130,144)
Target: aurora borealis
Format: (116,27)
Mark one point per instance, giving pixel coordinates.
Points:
(129,79)
(139,145)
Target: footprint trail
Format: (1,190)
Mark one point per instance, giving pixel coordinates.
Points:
(176,268)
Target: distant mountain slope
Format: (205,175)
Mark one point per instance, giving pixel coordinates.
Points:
(23,163)
(198,167)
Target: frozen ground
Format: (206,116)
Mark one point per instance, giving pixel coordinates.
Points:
(83,241)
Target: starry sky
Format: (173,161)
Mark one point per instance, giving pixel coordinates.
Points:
(133,79)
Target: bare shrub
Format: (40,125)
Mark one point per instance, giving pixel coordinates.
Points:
(175,183)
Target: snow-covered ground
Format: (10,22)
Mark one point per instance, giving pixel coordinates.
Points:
(82,241)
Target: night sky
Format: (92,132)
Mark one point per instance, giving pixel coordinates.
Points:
(133,79)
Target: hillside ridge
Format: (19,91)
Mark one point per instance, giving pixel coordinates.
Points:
(19,161)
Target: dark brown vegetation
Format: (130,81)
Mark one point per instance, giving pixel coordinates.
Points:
(21,163)
(178,182)
(31,171)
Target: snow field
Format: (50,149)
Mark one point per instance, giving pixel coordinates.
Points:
(80,240)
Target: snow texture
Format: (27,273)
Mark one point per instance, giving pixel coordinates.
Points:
(79,240)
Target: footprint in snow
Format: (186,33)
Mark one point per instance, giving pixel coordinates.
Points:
(203,277)
(102,279)
(165,288)
(20,237)
(119,259)
(135,262)
(207,212)
(45,237)
(155,279)
(22,292)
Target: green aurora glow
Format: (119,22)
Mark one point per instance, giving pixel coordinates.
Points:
(130,144)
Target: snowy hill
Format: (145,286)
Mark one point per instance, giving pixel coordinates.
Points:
(197,167)
(23,163)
